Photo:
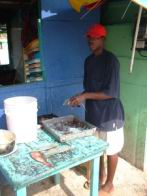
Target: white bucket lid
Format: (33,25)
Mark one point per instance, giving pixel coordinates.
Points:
(20,101)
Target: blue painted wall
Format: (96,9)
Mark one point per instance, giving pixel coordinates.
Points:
(64,49)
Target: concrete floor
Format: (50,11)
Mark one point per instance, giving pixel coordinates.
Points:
(129,181)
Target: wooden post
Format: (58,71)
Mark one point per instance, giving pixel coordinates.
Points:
(21,192)
(57,179)
(135,39)
(94,178)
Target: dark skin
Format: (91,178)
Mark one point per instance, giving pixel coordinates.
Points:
(97,45)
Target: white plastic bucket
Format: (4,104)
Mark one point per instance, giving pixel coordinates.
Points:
(21,117)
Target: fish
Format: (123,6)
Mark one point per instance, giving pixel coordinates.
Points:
(40,157)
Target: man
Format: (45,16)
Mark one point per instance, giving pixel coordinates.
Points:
(103,106)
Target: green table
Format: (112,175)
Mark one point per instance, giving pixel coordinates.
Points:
(20,170)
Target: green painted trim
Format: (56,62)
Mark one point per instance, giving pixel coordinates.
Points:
(40,39)
(145,154)
(40,47)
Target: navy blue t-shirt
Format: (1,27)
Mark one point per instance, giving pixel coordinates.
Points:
(101,74)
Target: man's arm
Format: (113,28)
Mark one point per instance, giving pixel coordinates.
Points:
(76,100)
(96,96)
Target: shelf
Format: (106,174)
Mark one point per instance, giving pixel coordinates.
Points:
(32,64)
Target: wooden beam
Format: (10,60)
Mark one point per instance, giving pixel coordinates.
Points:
(16,2)
(14,5)
(142,3)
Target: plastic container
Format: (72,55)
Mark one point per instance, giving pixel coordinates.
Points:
(21,117)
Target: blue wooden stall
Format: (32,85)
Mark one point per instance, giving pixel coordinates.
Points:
(64,49)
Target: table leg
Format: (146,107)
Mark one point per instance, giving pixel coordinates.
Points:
(21,192)
(57,178)
(94,178)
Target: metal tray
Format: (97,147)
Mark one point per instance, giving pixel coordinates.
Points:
(68,127)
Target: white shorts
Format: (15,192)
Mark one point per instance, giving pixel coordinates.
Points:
(115,139)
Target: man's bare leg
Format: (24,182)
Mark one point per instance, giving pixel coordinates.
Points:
(88,171)
(111,168)
(87,183)
(102,173)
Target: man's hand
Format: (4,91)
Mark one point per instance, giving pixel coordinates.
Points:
(76,100)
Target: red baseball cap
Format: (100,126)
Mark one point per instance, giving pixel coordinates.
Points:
(96,31)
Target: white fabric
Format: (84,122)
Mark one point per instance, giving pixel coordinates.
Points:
(115,139)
